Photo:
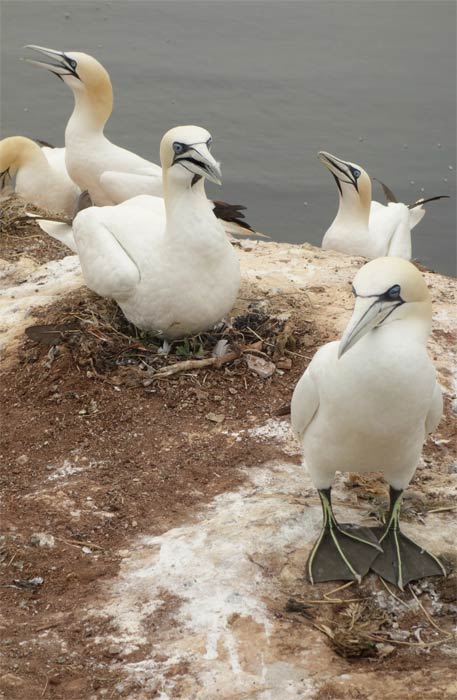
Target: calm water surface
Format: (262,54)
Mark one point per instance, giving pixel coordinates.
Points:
(373,82)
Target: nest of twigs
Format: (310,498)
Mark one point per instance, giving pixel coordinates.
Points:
(20,235)
(102,342)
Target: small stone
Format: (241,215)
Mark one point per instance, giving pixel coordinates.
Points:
(258,365)
(215,417)
(86,550)
(42,539)
(232,390)
(113,650)
(23,459)
(285,363)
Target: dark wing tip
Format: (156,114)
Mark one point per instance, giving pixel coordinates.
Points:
(388,194)
(231,212)
(40,142)
(429,199)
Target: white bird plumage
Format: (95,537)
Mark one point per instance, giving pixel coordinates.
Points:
(167,262)
(40,174)
(367,402)
(365,227)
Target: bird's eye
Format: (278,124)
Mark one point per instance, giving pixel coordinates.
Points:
(394,292)
(178,147)
(72,63)
(356,173)
(209,143)
(353,291)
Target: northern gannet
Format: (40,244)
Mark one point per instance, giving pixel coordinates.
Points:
(367,403)
(167,262)
(365,227)
(40,175)
(109,173)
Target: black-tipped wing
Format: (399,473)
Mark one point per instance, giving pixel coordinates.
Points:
(429,199)
(388,194)
(232,213)
(40,142)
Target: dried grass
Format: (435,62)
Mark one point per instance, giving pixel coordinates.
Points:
(103,343)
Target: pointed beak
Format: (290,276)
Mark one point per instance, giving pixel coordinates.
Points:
(334,164)
(199,160)
(369,312)
(339,169)
(59,63)
(212,169)
(5,178)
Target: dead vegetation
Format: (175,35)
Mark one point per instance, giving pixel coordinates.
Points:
(95,335)
(374,621)
(21,236)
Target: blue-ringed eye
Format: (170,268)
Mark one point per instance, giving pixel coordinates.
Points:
(356,173)
(178,147)
(394,292)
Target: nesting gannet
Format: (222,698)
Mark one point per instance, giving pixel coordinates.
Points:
(365,227)
(167,262)
(109,173)
(40,174)
(367,403)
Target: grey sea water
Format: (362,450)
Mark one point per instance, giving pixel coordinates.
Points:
(371,81)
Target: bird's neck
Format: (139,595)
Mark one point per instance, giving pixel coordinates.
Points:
(182,198)
(414,327)
(91,111)
(352,211)
(31,160)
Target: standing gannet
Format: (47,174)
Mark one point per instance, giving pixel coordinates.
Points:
(364,227)
(40,174)
(109,173)
(367,403)
(167,262)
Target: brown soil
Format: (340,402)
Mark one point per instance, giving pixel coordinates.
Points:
(148,454)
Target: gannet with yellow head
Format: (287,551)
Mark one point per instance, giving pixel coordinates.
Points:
(167,262)
(365,227)
(367,403)
(39,173)
(109,173)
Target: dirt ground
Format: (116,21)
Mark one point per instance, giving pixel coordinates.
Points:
(95,452)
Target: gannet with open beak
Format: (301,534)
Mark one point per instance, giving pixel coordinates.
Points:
(367,403)
(109,173)
(40,175)
(172,271)
(365,227)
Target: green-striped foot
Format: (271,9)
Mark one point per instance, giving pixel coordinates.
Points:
(343,552)
(402,560)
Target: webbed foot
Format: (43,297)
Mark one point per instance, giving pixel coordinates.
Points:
(402,560)
(342,552)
